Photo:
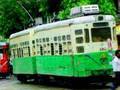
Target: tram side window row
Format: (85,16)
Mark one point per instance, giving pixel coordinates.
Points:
(21,52)
(21,49)
(55,38)
(54,48)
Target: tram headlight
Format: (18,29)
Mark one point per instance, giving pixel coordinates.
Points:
(103,55)
(103,58)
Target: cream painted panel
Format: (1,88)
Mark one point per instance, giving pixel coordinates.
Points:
(73,28)
(51,34)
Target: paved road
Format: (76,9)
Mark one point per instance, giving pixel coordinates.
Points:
(13,84)
(16,85)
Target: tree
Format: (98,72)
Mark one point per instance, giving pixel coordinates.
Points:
(13,17)
(66,6)
(9,17)
(48,8)
(106,6)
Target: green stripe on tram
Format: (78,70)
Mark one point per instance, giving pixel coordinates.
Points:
(67,65)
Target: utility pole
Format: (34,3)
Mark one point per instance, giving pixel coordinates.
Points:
(26,12)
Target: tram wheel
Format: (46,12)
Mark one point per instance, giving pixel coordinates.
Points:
(22,78)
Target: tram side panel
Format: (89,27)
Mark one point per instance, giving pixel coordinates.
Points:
(53,47)
(92,56)
(23,63)
(64,51)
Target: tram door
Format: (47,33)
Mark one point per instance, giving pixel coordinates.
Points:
(118,41)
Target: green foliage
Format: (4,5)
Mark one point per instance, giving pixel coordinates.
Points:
(32,6)
(13,17)
(48,8)
(44,9)
(106,6)
(66,6)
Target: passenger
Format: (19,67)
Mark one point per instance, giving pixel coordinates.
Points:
(116,68)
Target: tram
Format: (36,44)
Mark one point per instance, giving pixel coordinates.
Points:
(4,59)
(79,47)
(117,29)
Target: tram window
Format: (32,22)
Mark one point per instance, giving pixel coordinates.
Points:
(47,39)
(100,34)
(41,50)
(56,51)
(79,40)
(64,43)
(45,52)
(28,50)
(80,49)
(59,38)
(78,32)
(37,40)
(65,51)
(44,45)
(18,53)
(68,37)
(1,50)
(56,44)
(70,50)
(60,49)
(22,52)
(63,38)
(114,33)
(33,41)
(26,43)
(38,52)
(43,39)
(48,52)
(69,43)
(100,18)
(48,44)
(55,38)
(22,43)
(100,24)
(87,39)
(14,53)
(37,45)
(52,49)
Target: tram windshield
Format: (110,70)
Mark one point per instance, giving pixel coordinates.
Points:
(100,34)
(1,51)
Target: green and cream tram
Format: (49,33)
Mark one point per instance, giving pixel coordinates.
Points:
(75,48)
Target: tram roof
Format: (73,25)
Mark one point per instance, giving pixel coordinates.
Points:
(78,20)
